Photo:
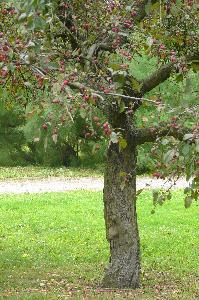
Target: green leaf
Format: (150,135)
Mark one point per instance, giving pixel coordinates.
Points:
(185,150)
(22,17)
(175,10)
(179,78)
(161,199)
(114,67)
(197,145)
(148,7)
(114,137)
(169,155)
(119,76)
(165,142)
(122,185)
(169,196)
(195,66)
(196,180)
(155,196)
(139,192)
(128,8)
(45,143)
(187,190)
(83,113)
(136,85)
(187,201)
(122,106)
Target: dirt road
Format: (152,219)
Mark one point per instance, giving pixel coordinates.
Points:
(67,184)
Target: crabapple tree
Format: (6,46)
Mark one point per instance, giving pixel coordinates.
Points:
(73,58)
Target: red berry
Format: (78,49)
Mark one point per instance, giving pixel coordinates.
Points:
(87,135)
(115,29)
(157,175)
(127,23)
(66,82)
(4,11)
(44,126)
(86,26)
(173,58)
(86,97)
(174,118)
(55,101)
(5,48)
(133,13)
(107,131)
(96,119)
(106,125)
(4,73)
(97,146)
(162,47)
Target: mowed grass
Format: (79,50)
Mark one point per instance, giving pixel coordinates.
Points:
(52,246)
(36,172)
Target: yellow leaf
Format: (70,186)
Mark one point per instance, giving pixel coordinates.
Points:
(122,143)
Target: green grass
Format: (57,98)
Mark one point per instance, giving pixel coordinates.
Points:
(35,172)
(52,246)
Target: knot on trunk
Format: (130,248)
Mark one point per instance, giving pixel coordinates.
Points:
(113,232)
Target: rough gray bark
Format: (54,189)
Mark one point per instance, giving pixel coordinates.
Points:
(120,216)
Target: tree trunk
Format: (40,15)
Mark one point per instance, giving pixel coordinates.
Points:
(120,216)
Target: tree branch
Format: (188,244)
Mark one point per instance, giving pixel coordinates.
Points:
(96,48)
(82,89)
(162,74)
(147,135)
(136,99)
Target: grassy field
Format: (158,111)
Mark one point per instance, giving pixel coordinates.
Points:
(35,172)
(52,246)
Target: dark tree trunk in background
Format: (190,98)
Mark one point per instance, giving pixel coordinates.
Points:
(120,215)
(67,153)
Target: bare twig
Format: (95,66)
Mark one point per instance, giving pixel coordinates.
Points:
(128,97)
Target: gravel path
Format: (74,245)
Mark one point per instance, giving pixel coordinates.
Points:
(66,184)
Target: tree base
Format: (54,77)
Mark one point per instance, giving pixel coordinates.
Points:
(123,276)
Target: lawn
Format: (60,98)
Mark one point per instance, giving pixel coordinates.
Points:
(52,246)
(36,172)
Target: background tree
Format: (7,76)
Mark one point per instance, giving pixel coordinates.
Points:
(12,140)
(80,51)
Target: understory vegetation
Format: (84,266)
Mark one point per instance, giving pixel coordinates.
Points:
(36,172)
(52,246)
